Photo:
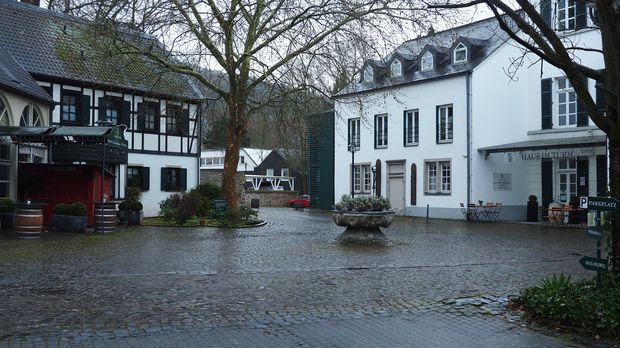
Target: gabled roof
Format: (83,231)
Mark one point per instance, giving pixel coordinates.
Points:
(14,78)
(55,45)
(486,35)
(256,155)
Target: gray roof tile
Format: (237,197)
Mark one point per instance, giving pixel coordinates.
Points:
(16,79)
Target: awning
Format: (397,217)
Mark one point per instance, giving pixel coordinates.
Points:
(65,134)
(561,143)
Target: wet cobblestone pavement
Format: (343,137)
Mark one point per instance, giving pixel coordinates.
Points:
(442,283)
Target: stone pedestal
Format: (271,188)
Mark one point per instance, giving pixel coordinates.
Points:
(362,228)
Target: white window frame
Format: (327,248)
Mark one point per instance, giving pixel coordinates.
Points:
(283,170)
(368,74)
(562,15)
(460,48)
(31,117)
(5,117)
(396,68)
(446,120)
(412,131)
(566,167)
(353,130)
(427,61)
(362,178)
(438,177)
(563,101)
(381,131)
(269,172)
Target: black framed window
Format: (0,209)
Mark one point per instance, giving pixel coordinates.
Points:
(70,108)
(381,131)
(173,119)
(354,132)
(412,127)
(138,177)
(113,110)
(151,116)
(444,123)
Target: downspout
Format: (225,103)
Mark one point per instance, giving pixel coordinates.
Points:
(199,142)
(469,135)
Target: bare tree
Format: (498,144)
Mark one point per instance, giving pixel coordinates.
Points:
(533,30)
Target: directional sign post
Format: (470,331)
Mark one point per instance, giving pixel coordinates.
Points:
(595,232)
(600,203)
(597,205)
(593,263)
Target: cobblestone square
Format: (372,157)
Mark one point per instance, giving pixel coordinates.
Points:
(437,283)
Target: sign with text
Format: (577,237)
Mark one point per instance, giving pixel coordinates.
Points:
(502,181)
(595,232)
(599,203)
(593,263)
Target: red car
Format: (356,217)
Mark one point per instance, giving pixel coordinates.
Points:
(305,199)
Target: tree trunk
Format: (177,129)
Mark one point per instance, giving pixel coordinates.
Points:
(614,188)
(236,129)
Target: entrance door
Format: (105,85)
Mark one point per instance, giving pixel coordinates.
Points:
(396,186)
(567,179)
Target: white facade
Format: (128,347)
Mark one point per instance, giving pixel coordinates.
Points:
(249,159)
(489,109)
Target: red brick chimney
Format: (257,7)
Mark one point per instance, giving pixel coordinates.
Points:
(36,3)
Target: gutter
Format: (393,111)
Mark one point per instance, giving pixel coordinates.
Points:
(469,135)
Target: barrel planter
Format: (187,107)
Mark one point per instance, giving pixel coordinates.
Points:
(7,220)
(69,223)
(29,221)
(104,217)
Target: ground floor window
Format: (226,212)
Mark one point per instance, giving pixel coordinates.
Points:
(138,177)
(5,170)
(362,178)
(438,177)
(173,179)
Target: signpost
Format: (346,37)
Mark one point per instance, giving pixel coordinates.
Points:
(597,205)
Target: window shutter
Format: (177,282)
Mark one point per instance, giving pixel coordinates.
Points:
(378,178)
(404,128)
(141,117)
(85,110)
(581,15)
(546,170)
(437,125)
(183,177)
(376,132)
(385,130)
(601,175)
(164,179)
(414,176)
(185,122)
(349,133)
(545,11)
(582,115)
(102,108)
(600,99)
(126,117)
(546,103)
(146,178)
(582,172)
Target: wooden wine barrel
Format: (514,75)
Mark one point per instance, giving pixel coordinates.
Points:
(28,221)
(104,217)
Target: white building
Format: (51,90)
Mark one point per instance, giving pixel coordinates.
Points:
(161,110)
(249,158)
(441,123)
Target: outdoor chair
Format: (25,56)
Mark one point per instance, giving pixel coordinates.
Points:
(473,212)
(465,212)
(496,211)
(489,211)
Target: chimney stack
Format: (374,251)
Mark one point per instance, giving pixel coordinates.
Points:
(36,3)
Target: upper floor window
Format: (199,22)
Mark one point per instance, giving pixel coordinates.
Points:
(242,159)
(284,172)
(173,119)
(113,110)
(460,53)
(396,68)
(70,111)
(566,14)
(411,127)
(30,117)
(444,123)
(151,114)
(567,103)
(381,131)
(368,74)
(426,63)
(354,133)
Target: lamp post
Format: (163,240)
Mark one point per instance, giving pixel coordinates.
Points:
(374,179)
(353,148)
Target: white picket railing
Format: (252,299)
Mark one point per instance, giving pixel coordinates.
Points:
(275,181)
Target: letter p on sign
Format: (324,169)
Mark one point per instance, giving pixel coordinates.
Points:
(583,202)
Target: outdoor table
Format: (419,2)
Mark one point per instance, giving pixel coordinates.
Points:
(560,216)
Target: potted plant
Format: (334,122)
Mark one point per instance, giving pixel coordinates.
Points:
(132,206)
(362,216)
(7,213)
(69,218)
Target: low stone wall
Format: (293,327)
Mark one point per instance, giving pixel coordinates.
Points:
(214,176)
(270,199)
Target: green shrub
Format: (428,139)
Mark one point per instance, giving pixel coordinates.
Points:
(208,190)
(75,209)
(7,205)
(581,304)
(180,207)
(130,205)
(134,194)
(362,203)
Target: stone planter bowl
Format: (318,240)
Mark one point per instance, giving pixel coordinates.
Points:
(363,219)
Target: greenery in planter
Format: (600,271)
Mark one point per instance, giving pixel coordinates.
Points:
(130,205)
(7,205)
(580,305)
(362,203)
(74,209)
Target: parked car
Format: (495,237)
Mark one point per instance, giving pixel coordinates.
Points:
(305,199)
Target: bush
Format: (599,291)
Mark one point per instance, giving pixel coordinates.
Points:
(180,207)
(134,194)
(130,205)
(581,305)
(207,192)
(75,209)
(7,205)
(362,203)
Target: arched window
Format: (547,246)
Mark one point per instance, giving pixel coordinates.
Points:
(460,53)
(5,118)
(426,63)
(368,75)
(30,117)
(396,68)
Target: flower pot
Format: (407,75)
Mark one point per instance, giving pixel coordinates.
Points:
(362,227)
(134,217)
(7,220)
(122,216)
(69,223)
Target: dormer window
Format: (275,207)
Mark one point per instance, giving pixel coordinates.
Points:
(426,63)
(460,53)
(396,68)
(368,74)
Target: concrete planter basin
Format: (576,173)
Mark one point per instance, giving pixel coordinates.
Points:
(362,227)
